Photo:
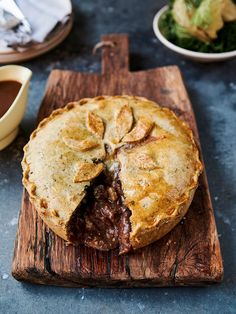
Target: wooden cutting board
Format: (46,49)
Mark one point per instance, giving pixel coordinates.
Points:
(188,255)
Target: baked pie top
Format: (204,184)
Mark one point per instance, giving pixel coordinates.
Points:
(150,153)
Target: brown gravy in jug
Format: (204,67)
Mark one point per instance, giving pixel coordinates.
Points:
(8,92)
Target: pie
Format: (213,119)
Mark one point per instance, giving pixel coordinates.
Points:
(111,172)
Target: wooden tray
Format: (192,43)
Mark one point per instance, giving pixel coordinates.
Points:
(38,49)
(188,255)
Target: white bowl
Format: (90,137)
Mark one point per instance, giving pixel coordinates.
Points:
(196,56)
(9,122)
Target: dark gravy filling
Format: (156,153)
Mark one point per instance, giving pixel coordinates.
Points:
(102,220)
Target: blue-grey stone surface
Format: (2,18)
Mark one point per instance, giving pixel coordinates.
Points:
(212,89)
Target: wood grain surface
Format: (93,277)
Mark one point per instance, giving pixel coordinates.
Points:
(188,255)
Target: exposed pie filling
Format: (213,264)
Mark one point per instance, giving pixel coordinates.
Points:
(102,219)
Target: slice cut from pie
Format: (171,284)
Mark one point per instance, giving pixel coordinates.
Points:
(111,171)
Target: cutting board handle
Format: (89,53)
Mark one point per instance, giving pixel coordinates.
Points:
(115,57)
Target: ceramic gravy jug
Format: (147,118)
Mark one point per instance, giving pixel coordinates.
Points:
(10,120)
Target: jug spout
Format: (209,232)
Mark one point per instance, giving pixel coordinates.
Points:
(9,122)
(22,75)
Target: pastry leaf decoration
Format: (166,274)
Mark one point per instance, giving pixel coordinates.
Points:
(140,131)
(95,124)
(87,171)
(123,123)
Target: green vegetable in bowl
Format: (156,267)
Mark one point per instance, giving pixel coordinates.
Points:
(201,25)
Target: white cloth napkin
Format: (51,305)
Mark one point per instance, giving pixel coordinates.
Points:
(43,16)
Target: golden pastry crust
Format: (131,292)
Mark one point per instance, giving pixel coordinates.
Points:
(159,163)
